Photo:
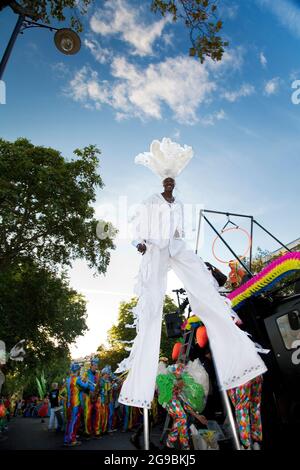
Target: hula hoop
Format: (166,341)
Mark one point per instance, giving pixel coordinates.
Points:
(230,230)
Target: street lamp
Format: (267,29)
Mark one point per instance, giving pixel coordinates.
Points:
(66,40)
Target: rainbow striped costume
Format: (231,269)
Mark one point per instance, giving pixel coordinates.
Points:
(74,386)
(92,407)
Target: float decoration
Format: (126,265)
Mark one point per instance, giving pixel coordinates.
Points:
(201,336)
(266,279)
(177,349)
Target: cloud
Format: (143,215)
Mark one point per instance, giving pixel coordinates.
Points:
(228,10)
(245,90)
(294,75)
(120,19)
(272,86)
(86,88)
(263,60)
(60,69)
(177,134)
(287,13)
(180,83)
(211,119)
(101,54)
(232,61)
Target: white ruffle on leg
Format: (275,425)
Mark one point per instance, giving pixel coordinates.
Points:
(139,386)
(234,354)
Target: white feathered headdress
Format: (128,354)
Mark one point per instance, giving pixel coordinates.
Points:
(166,158)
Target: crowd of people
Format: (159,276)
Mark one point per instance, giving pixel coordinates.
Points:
(90,404)
(85,404)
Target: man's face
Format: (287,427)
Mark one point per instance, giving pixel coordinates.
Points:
(169,184)
(93,367)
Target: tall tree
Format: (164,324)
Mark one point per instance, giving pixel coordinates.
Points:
(40,307)
(202,21)
(199,16)
(45,10)
(46,206)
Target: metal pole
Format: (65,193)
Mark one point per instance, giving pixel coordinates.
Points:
(251,247)
(269,233)
(10,44)
(227,406)
(199,228)
(227,213)
(228,409)
(146,429)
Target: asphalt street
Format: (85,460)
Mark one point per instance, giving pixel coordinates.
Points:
(31,434)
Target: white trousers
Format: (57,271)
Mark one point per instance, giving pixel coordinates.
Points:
(234,354)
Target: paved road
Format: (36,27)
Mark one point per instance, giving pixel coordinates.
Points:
(31,434)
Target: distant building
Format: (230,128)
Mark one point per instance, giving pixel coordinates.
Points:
(293,246)
(82,360)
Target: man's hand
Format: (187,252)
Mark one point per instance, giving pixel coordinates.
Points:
(142,248)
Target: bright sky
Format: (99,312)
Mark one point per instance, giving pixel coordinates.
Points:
(133,82)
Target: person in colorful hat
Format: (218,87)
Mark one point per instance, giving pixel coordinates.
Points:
(92,401)
(74,385)
(181,393)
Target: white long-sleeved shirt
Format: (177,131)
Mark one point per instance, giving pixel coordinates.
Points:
(160,223)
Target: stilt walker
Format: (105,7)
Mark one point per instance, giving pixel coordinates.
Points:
(159,230)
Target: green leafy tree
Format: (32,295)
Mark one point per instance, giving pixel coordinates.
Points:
(45,10)
(202,21)
(116,352)
(46,206)
(199,16)
(40,307)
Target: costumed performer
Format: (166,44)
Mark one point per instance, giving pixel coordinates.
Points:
(74,386)
(182,389)
(247,403)
(159,238)
(92,401)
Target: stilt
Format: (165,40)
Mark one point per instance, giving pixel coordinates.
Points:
(146,429)
(228,410)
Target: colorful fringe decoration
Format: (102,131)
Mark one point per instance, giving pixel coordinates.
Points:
(265,280)
(191,322)
(193,392)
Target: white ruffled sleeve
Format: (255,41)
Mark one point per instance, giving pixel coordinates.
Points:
(141,222)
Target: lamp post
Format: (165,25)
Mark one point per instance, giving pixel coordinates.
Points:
(66,40)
